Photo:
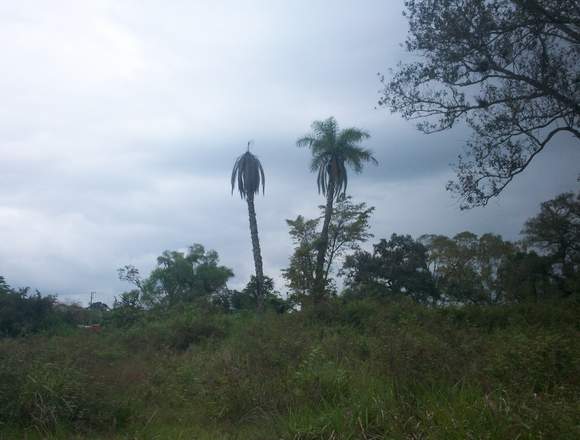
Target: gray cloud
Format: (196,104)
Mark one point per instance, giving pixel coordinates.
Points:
(121,121)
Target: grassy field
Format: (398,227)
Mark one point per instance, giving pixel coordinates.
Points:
(362,370)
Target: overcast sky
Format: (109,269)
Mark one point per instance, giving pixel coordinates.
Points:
(120,122)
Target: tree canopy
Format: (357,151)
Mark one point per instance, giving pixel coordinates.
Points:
(178,277)
(349,227)
(506,68)
(333,150)
(555,231)
(397,266)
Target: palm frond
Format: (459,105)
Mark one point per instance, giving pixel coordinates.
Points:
(248,173)
(328,127)
(332,151)
(305,141)
(318,161)
(234,172)
(262,177)
(366,155)
(356,156)
(351,136)
(322,179)
(342,179)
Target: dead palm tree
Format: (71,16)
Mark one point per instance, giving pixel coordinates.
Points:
(333,150)
(249,175)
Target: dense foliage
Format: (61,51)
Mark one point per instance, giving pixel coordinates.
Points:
(23,312)
(340,370)
(179,277)
(432,269)
(396,267)
(556,232)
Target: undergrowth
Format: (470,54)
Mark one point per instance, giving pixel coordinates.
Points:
(360,370)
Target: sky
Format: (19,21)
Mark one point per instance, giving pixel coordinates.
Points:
(121,120)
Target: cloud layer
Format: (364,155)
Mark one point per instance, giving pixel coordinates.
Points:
(121,121)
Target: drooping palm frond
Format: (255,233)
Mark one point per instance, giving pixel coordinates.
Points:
(248,174)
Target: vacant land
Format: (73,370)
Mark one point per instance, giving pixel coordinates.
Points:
(368,370)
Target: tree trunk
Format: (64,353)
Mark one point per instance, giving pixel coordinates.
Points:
(319,279)
(257,252)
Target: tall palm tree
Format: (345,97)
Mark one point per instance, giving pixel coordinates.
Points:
(332,151)
(249,175)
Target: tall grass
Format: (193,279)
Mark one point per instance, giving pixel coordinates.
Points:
(361,370)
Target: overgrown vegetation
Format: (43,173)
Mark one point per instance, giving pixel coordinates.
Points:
(343,370)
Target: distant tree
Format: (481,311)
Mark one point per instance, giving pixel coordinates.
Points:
(99,306)
(333,150)
(526,276)
(466,267)
(248,174)
(301,271)
(555,231)
(438,254)
(251,291)
(129,300)
(507,68)
(23,312)
(348,228)
(455,266)
(188,276)
(179,277)
(397,266)
(247,299)
(4,287)
(127,310)
(131,274)
(492,253)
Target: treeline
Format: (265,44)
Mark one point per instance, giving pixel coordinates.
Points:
(465,268)
(24,312)
(432,269)
(435,269)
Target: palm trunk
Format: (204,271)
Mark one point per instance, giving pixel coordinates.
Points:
(257,252)
(319,279)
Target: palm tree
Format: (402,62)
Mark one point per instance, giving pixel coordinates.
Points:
(332,151)
(249,175)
